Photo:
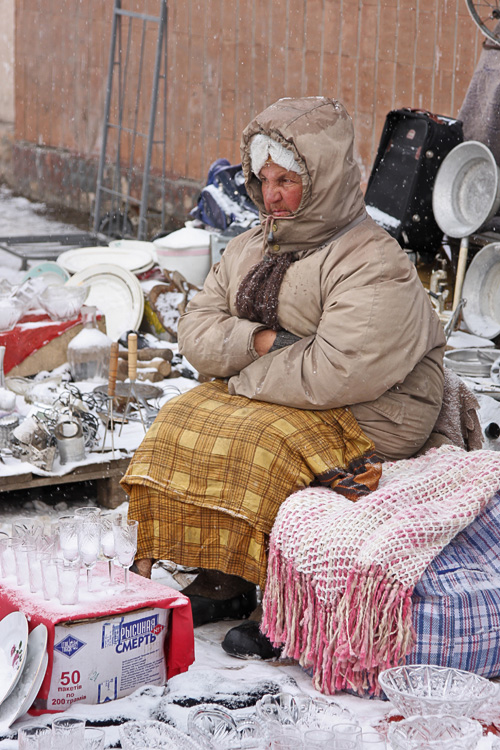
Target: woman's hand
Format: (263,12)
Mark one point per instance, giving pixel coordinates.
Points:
(263,341)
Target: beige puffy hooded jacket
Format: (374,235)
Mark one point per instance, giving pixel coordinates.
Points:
(369,337)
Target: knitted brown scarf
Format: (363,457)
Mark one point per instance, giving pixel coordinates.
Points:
(257,296)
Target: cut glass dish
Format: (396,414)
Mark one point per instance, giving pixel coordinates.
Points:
(435,733)
(301,711)
(432,690)
(155,735)
(214,728)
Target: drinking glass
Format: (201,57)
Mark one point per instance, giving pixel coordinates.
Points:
(89,544)
(88,512)
(68,580)
(315,739)
(34,568)
(7,558)
(27,528)
(347,737)
(50,583)
(290,732)
(34,737)
(68,733)
(372,741)
(21,558)
(68,537)
(286,743)
(108,544)
(93,739)
(125,535)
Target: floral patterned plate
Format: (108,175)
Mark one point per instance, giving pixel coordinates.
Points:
(13,647)
(28,685)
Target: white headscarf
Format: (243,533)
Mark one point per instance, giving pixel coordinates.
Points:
(262,147)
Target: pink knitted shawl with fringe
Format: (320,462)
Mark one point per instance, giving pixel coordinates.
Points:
(341,574)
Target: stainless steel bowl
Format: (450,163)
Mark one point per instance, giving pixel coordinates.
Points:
(481,289)
(471,362)
(466,190)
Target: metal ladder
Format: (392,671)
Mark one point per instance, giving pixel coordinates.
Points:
(114,194)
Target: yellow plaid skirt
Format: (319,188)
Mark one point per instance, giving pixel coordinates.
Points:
(210,475)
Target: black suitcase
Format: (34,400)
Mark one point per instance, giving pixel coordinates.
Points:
(399,193)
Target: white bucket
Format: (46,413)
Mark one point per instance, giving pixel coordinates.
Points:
(186,251)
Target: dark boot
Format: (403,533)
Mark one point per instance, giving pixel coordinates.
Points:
(247,642)
(217,596)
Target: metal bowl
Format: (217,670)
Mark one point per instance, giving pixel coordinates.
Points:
(481,289)
(466,190)
(473,363)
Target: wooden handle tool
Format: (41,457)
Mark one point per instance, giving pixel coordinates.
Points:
(113,369)
(132,356)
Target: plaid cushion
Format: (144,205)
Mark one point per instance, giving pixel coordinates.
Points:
(456,603)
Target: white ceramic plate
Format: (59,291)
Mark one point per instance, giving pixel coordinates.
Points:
(117,293)
(37,684)
(134,259)
(132,245)
(13,644)
(31,678)
(52,272)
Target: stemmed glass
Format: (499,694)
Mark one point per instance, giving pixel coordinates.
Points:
(89,544)
(125,534)
(108,544)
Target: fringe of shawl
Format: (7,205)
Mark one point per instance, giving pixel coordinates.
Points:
(340,577)
(343,650)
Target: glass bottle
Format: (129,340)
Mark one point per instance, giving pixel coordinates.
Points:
(89,350)
(2,374)
(7,397)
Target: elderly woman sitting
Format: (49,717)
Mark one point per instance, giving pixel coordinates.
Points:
(327,359)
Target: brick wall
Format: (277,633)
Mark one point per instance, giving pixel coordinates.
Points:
(227,60)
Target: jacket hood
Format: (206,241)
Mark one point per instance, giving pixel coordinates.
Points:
(320,134)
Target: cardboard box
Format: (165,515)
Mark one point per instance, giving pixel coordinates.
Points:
(110,643)
(100,660)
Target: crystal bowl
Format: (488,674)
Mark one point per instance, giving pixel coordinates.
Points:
(214,727)
(435,733)
(284,708)
(63,302)
(154,735)
(302,711)
(11,311)
(325,714)
(431,690)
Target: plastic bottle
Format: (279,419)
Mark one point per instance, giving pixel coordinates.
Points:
(88,352)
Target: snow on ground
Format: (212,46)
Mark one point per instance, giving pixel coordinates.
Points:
(19,216)
(214,677)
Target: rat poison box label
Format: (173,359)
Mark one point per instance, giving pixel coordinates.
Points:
(96,661)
